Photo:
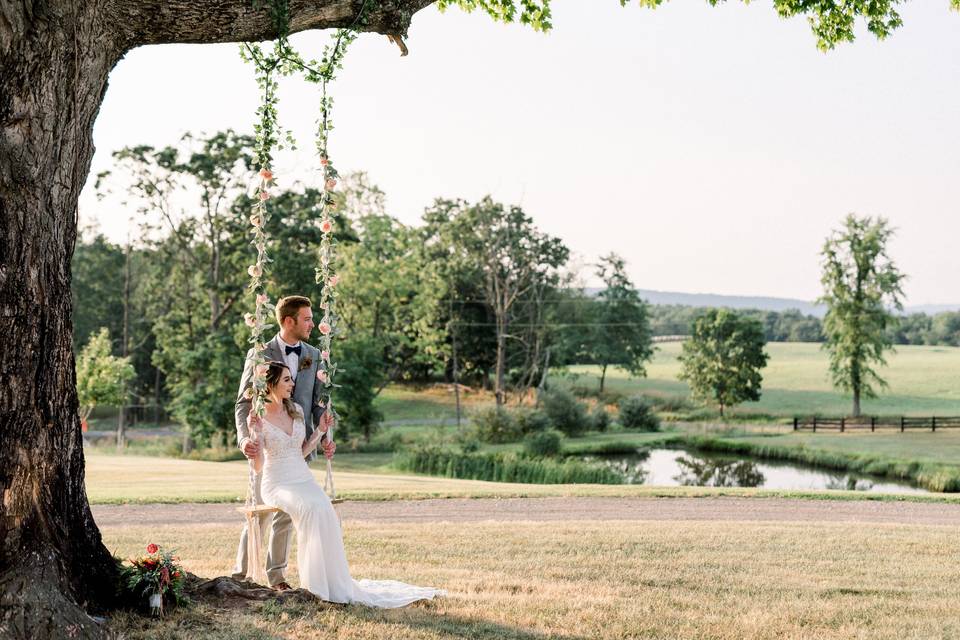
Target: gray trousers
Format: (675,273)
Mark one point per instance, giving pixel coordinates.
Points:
(278,547)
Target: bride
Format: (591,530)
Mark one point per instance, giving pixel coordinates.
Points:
(288,484)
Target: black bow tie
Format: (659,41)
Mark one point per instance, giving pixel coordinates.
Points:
(295,349)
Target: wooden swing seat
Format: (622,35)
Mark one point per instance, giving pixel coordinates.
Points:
(258,509)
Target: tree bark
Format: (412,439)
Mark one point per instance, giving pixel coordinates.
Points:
(501,366)
(55,56)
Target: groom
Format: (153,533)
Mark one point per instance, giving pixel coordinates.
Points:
(295,318)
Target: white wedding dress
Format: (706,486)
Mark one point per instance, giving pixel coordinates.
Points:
(289,485)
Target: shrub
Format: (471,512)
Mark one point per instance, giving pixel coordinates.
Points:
(673,404)
(543,443)
(502,467)
(565,413)
(531,420)
(635,413)
(387,442)
(599,419)
(496,425)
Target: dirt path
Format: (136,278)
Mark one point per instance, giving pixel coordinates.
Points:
(563,509)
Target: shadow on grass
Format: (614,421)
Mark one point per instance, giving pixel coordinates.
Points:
(245,611)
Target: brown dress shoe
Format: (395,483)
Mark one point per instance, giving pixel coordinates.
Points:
(281,586)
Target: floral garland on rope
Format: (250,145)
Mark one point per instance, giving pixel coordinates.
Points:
(285,60)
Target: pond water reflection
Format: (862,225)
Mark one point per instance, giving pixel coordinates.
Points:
(674,467)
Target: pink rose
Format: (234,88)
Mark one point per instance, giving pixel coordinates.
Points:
(325,356)
(262,369)
(324,328)
(322,376)
(266,174)
(152,548)
(262,298)
(255,271)
(264,196)
(324,161)
(326,226)
(333,280)
(330,184)
(249,320)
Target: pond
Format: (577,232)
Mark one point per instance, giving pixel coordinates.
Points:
(674,467)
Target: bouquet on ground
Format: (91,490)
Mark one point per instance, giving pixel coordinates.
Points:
(157,577)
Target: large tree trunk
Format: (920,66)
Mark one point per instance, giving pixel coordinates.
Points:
(55,56)
(52,80)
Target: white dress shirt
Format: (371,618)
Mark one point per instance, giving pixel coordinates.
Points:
(291,359)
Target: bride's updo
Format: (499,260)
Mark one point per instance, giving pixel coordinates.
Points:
(275,371)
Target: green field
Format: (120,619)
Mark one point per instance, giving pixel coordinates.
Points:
(922,381)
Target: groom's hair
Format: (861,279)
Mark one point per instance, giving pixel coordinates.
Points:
(290,306)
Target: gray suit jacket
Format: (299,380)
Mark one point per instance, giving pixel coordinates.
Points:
(307,390)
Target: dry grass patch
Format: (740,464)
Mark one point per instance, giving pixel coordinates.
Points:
(600,580)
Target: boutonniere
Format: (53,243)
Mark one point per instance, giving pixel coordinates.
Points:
(305,363)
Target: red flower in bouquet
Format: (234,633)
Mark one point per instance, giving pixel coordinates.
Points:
(152,548)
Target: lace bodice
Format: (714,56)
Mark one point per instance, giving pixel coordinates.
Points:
(278,445)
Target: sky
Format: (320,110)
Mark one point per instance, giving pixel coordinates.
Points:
(714,148)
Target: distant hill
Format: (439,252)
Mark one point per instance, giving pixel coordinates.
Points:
(765,303)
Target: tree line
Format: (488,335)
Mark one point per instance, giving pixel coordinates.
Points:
(791,325)
(476,293)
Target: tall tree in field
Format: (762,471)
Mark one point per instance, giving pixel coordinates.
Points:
(621,336)
(55,57)
(513,259)
(860,287)
(721,360)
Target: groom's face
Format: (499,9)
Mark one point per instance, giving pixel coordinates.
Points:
(304,323)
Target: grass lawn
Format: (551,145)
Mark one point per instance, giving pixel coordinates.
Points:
(435,402)
(586,580)
(923,381)
(118,479)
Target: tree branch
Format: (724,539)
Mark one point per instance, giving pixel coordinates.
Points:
(143,22)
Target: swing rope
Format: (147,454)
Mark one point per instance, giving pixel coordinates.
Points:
(285,60)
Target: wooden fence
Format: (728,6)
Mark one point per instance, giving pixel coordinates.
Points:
(873,423)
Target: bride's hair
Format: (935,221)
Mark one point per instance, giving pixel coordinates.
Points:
(275,371)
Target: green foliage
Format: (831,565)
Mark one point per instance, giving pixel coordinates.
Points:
(599,419)
(832,22)
(496,255)
(635,413)
(621,335)
(496,425)
(102,378)
(565,412)
(541,444)
(860,284)
(502,467)
(97,283)
(389,291)
(202,376)
(778,326)
(531,420)
(722,359)
(361,376)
